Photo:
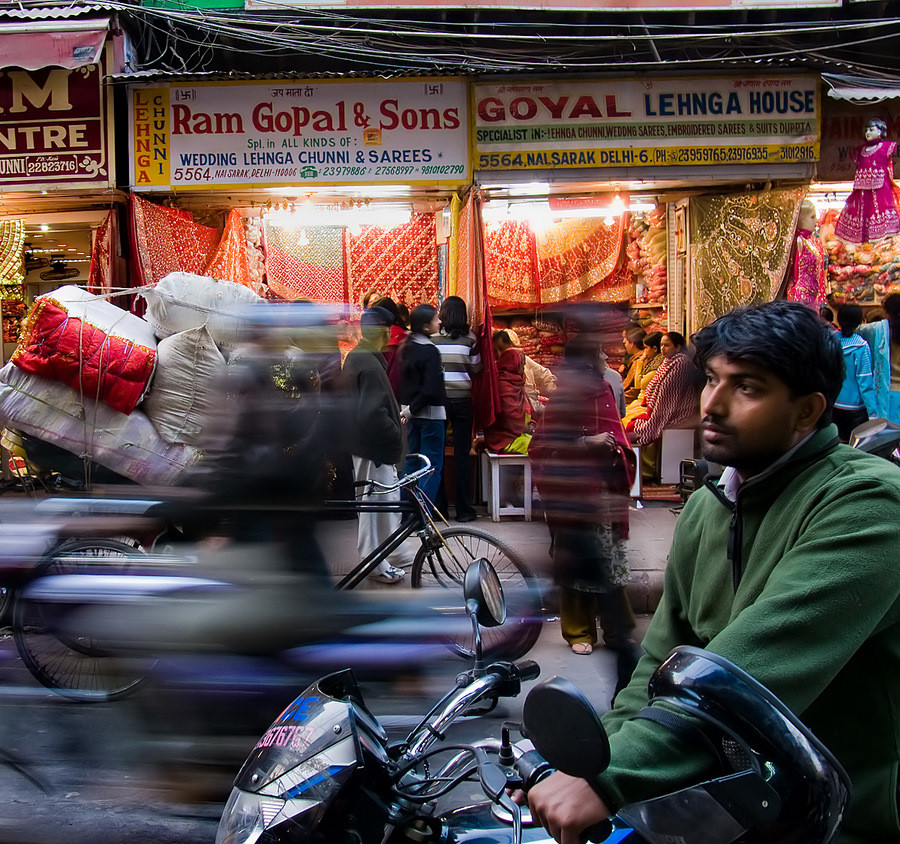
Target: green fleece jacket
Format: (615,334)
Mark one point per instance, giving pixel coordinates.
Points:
(808,606)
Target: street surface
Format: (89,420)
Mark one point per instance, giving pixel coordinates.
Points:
(151,769)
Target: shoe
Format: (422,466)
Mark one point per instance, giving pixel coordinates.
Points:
(582,648)
(389,575)
(466,516)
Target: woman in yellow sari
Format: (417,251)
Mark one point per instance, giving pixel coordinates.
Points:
(646,367)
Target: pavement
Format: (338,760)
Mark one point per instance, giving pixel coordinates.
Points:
(102,761)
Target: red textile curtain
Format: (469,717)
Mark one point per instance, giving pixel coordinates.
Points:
(400,262)
(306,263)
(165,240)
(577,255)
(511,264)
(472,286)
(103,247)
(231,262)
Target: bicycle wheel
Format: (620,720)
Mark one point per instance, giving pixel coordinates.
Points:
(444,565)
(76,666)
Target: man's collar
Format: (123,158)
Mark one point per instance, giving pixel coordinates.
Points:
(730,482)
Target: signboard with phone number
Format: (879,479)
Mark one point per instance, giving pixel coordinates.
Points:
(249,134)
(645,123)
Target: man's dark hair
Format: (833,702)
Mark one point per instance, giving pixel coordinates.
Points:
(503,336)
(454,317)
(583,351)
(786,338)
(653,339)
(849,318)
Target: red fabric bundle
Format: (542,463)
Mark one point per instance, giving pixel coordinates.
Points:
(102,366)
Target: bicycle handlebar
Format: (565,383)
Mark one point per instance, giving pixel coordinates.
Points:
(406,480)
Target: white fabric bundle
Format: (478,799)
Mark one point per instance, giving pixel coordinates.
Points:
(182,394)
(57,414)
(181,301)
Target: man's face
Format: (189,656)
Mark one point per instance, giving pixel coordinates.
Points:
(750,417)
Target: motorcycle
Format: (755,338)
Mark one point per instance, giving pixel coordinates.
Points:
(878,436)
(325,771)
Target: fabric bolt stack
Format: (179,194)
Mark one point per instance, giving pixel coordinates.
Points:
(864,272)
(128,393)
(647,256)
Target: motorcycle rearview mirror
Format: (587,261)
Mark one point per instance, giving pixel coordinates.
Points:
(565,729)
(484,594)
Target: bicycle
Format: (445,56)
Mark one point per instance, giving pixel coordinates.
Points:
(85,670)
(442,560)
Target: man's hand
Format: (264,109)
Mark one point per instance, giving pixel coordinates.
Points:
(566,806)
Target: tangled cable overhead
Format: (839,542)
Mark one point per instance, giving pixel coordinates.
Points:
(478,41)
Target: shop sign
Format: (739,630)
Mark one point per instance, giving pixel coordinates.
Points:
(52,129)
(270,134)
(646,123)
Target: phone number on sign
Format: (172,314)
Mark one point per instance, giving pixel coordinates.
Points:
(728,155)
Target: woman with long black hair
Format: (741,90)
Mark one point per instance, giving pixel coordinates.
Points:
(422,395)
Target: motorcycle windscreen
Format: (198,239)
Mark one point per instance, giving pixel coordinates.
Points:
(301,738)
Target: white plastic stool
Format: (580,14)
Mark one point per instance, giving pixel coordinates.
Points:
(677,445)
(490,481)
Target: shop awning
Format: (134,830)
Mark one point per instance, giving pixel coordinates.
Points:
(36,44)
(861,89)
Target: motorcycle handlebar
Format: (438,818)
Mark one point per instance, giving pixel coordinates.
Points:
(528,669)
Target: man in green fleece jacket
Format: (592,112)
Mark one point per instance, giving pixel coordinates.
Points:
(787,566)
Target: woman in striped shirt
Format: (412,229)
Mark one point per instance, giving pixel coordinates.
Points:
(461,361)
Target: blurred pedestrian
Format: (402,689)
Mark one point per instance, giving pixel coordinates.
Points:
(584,467)
(856,402)
(375,437)
(422,395)
(461,360)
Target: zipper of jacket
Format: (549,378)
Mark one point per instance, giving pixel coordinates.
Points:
(734,530)
(736,526)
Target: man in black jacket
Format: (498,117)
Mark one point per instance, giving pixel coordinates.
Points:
(376,435)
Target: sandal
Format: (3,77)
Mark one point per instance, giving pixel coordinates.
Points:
(582,648)
(389,575)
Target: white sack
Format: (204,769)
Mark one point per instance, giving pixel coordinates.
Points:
(183,393)
(181,301)
(57,414)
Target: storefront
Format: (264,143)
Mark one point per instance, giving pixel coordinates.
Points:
(323,190)
(679,195)
(57,167)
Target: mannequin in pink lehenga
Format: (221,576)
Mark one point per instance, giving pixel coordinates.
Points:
(870,212)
